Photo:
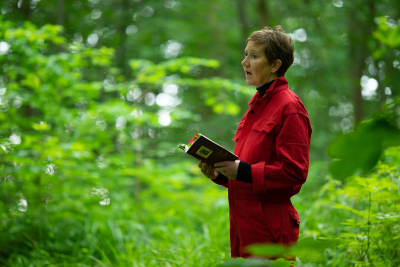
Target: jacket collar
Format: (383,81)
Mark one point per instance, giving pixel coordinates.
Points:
(278,85)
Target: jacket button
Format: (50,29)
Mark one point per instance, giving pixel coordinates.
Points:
(258,103)
(251,111)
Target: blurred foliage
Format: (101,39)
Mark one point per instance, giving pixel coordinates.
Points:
(66,156)
(256,262)
(307,249)
(363,148)
(95,95)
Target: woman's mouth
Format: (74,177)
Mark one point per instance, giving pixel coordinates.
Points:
(248,73)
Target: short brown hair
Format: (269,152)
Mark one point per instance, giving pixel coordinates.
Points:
(277,45)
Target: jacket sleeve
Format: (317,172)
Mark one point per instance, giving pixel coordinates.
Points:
(221,180)
(292,151)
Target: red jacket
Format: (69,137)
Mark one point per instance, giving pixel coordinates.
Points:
(274,137)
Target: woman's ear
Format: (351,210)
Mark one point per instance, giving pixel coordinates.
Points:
(276,65)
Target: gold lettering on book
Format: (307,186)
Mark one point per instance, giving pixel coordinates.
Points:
(223,155)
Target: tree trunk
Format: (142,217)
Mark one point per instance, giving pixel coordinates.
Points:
(124,19)
(61,13)
(138,163)
(263,13)
(24,8)
(381,88)
(360,28)
(241,7)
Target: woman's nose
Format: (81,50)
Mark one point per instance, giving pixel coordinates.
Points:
(245,62)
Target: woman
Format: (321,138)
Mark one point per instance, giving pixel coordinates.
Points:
(272,142)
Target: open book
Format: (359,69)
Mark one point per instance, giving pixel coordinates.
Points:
(205,149)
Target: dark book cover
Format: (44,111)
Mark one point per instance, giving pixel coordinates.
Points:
(210,152)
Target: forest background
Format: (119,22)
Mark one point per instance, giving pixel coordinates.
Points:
(95,96)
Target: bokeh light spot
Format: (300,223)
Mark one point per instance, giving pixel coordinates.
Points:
(147,11)
(301,35)
(337,3)
(171,89)
(164,118)
(96,13)
(165,100)
(105,201)
(131,29)
(369,86)
(22,205)
(15,139)
(51,169)
(133,93)
(4,48)
(120,123)
(149,99)
(171,49)
(345,124)
(92,39)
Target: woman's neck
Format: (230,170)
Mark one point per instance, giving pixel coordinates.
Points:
(263,88)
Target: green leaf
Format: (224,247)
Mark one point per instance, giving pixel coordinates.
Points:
(361,149)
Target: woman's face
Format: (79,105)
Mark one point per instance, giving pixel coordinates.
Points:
(256,66)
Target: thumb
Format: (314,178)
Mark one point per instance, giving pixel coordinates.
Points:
(216,174)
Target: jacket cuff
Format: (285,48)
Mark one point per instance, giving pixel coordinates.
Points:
(221,179)
(257,173)
(244,173)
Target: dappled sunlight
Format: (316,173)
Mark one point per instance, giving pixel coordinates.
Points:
(4,48)
(136,113)
(102,124)
(147,11)
(299,35)
(133,93)
(171,49)
(172,4)
(131,30)
(92,39)
(164,118)
(22,205)
(96,14)
(167,100)
(337,3)
(103,194)
(51,169)
(150,99)
(101,162)
(170,88)
(17,101)
(109,81)
(369,86)
(136,133)
(15,139)
(120,123)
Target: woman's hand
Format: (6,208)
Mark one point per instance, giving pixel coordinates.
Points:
(228,168)
(208,170)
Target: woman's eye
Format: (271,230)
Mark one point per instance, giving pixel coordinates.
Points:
(245,54)
(254,56)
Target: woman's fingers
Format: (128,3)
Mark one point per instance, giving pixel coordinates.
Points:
(222,164)
(208,170)
(220,170)
(204,168)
